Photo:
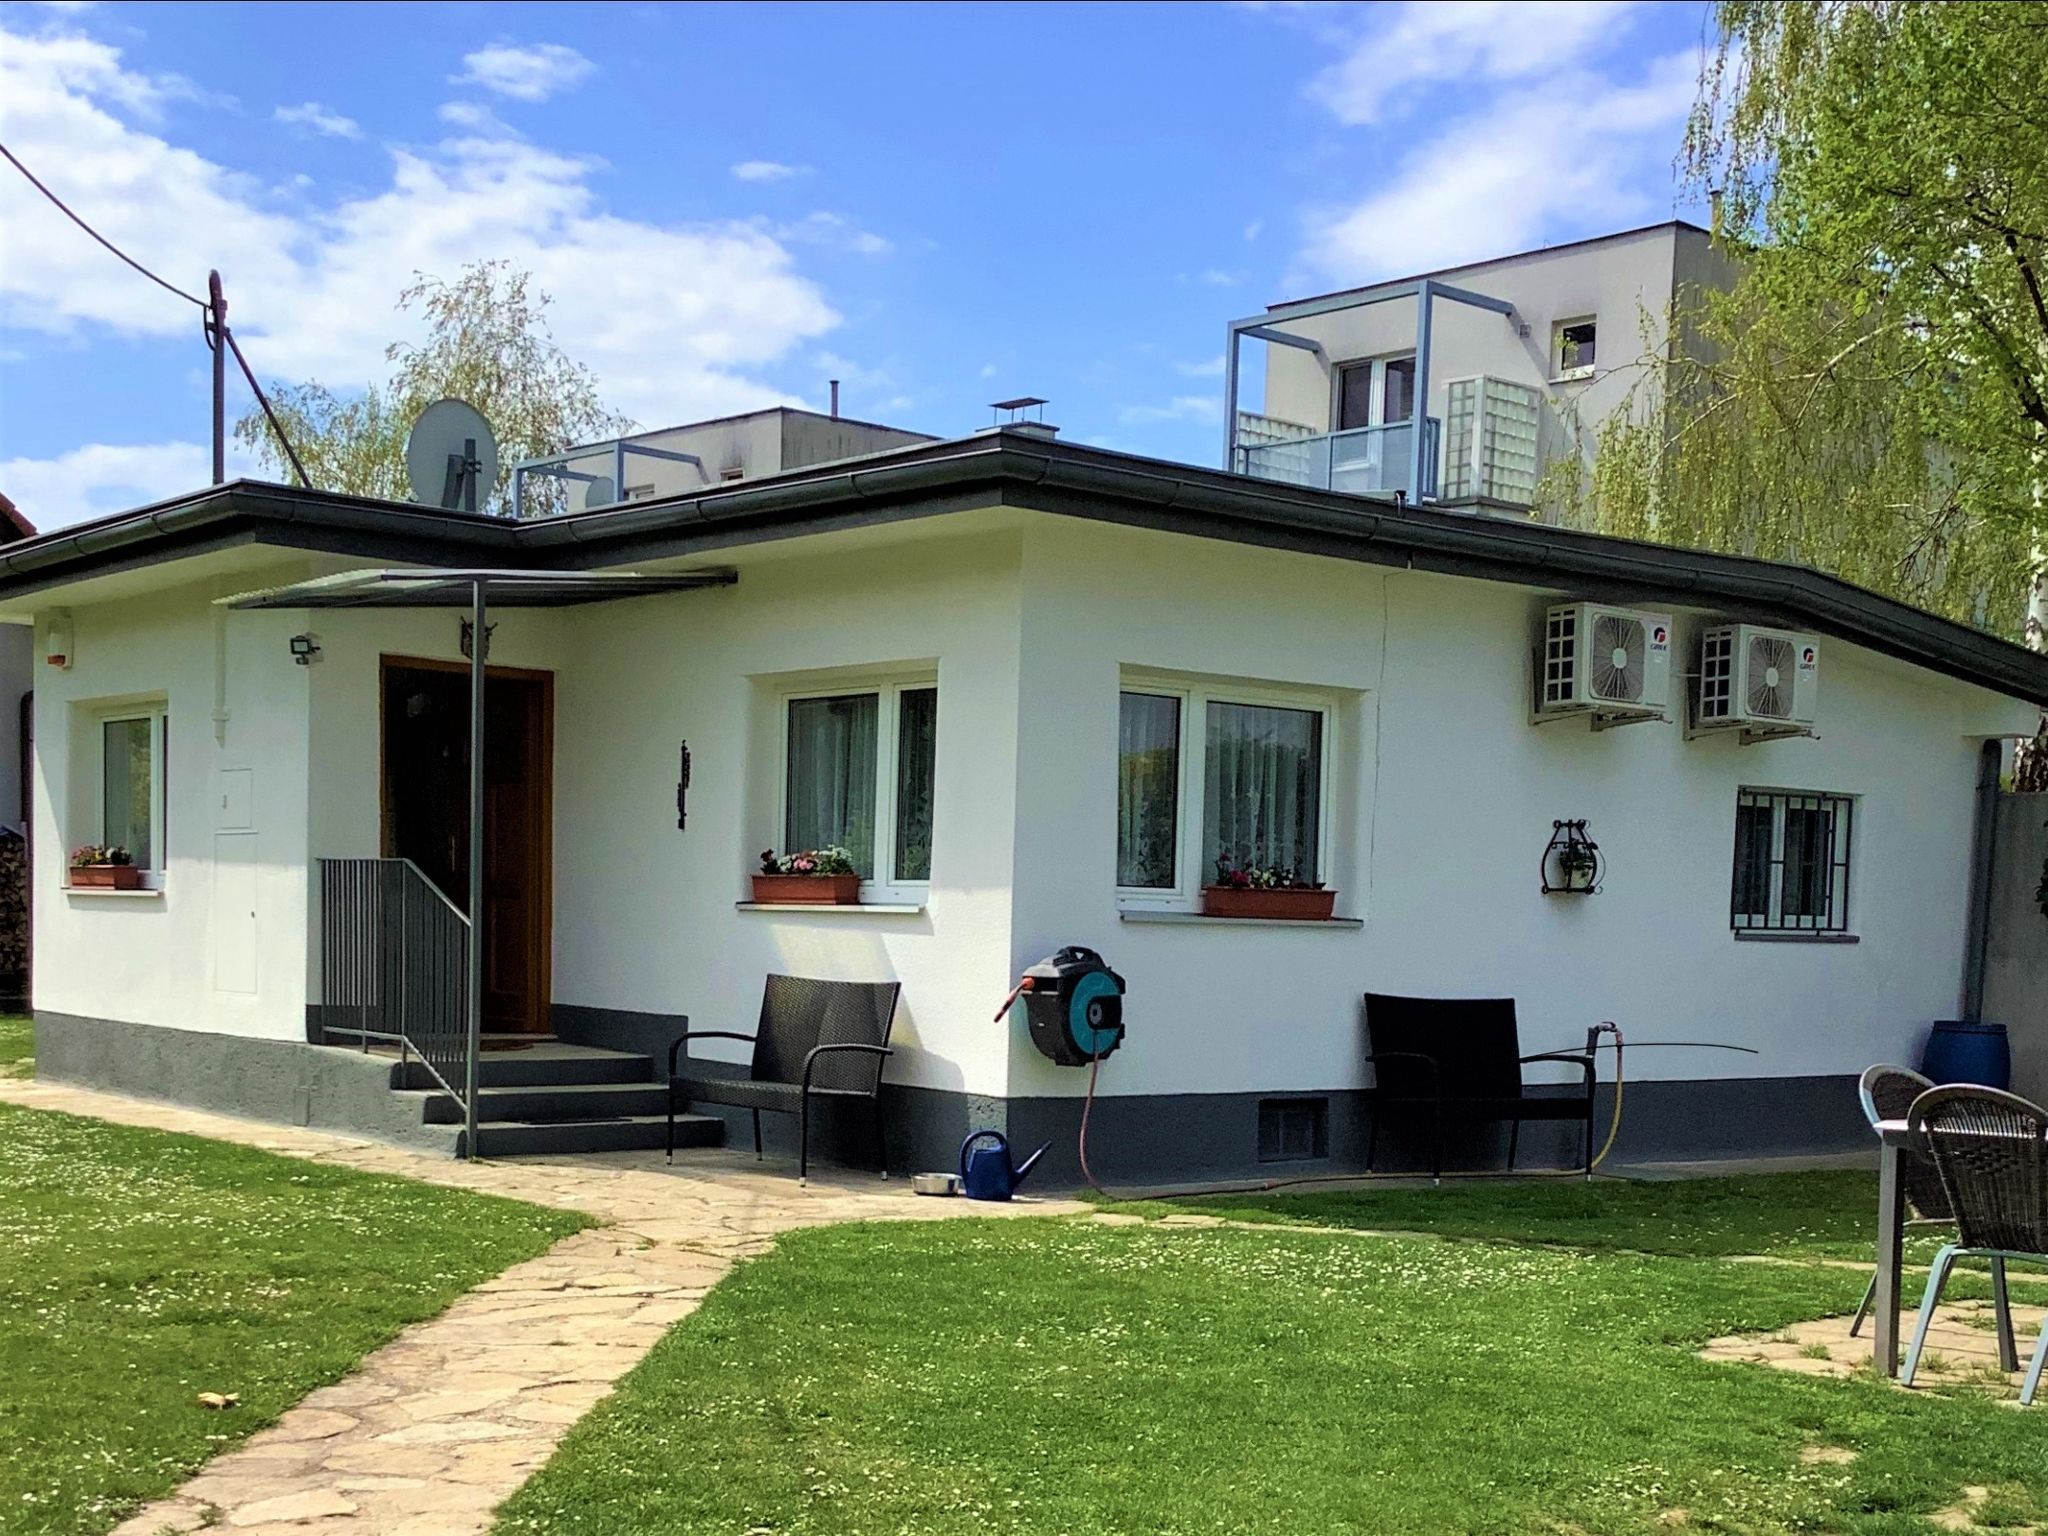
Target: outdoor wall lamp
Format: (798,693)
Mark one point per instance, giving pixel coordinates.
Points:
(1572,863)
(304,649)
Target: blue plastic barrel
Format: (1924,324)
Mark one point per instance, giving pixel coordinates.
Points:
(1962,1052)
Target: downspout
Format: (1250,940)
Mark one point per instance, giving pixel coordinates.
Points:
(1983,870)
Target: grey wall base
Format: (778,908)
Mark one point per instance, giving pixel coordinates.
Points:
(281,1081)
(1133,1140)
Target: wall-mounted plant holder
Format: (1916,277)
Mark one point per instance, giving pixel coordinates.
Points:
(1572,862)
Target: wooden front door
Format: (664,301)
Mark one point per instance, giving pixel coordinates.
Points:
(426,815)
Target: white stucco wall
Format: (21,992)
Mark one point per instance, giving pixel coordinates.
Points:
(223,946)
(1450,793)
(645,915)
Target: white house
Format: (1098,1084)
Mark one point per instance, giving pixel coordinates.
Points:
(1036,684)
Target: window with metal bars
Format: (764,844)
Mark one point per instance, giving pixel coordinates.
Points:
(1792,853)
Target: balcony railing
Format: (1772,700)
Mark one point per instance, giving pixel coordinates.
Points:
(1361,461)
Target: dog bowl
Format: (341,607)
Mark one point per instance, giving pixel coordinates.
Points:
(935,1183)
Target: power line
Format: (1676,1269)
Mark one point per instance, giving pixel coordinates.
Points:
(215,324)
(64,208)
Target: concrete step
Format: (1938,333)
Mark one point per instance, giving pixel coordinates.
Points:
(546,1064)
(552,1101)
(515,1138)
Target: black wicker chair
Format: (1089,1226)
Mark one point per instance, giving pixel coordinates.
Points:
(1461,1059)
(1888,1093)
(817,1039)
(1991,1150)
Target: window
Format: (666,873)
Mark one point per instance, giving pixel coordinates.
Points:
(1791,862)
(131,801)
(1572,355)
(858,774)
(1376,393)
(1207,773)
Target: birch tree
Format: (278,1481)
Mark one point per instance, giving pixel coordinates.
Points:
(488,342)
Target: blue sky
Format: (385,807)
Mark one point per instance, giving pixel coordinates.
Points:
(940,205)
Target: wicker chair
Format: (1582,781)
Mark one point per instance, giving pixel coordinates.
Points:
(1991,1150)
(817,1039)
(1888,1093)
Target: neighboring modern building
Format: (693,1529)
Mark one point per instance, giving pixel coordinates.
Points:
(1520,360)
(673,460)
(1036,687)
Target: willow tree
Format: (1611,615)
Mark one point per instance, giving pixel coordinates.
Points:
(1870,393)
(488,342)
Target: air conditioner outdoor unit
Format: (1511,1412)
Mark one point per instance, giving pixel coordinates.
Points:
(1611,663)
(1764,682)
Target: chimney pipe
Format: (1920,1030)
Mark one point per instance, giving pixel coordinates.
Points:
(835,398)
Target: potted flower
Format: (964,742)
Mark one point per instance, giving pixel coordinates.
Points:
(820,876)
(1266,890)
(108,867)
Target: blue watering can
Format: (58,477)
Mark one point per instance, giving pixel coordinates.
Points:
(986,1172)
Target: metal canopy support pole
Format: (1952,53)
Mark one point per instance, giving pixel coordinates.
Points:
(473,990)
(1418,411)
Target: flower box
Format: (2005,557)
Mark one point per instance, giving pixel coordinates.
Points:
(811,890)
(106,877)
(1299,904)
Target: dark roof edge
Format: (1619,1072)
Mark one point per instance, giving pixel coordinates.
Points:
(250,509)
(1015,469)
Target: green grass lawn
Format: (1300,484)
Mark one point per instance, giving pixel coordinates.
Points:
(17,1045)
(1066,1376)
(1808,1215)
(139,1269)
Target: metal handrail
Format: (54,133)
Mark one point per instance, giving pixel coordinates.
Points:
(394,954)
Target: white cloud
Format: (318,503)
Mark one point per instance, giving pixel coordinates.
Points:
(1254,229)
(530,72)
(673,318)
(768,170)
(835,230)
(318,118)
(1205,408)
(1467,43)
(1207,368)
(475,117)
(1497,181)
(100,479)
(988,370)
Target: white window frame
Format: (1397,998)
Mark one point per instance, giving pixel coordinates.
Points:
(157,713)
(1190,869)
(883,887)
(1376,390)
(1559,374)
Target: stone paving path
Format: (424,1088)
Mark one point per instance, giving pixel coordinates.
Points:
(432,1432)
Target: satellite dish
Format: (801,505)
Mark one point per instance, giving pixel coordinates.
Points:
(451,457)
(599,492)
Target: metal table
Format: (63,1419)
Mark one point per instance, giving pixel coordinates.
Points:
(1895,1140)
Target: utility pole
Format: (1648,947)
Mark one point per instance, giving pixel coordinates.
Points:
(217,338)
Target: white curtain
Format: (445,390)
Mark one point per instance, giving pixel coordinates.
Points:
(830,794)
(1147,790)
(1262,801)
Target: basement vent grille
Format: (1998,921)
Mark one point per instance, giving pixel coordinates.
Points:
(1293,1130)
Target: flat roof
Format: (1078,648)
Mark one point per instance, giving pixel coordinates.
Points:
(1005,467)
(1493,261)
